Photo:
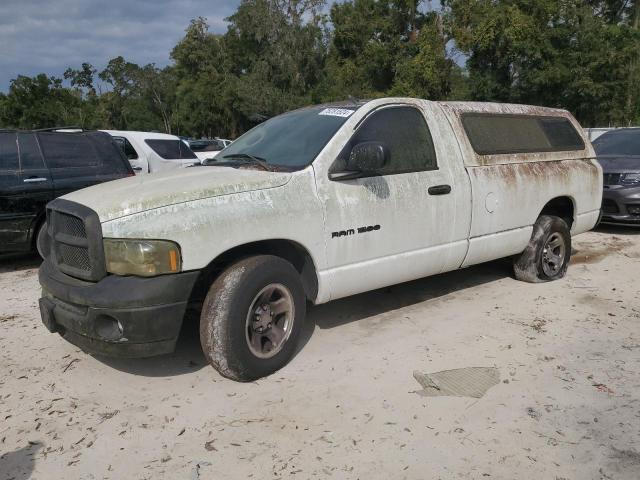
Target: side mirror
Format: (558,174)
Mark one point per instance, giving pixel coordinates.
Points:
(367,157)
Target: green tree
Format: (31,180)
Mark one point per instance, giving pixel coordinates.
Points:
(382,47)
(204,87)
(121,77)
(270,60)
(4,119)
(427,72)
(276,50)
(156,89)
(82,83)
(571,54)
(82,78)
(38,102)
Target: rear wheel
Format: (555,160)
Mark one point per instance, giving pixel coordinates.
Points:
(547,256)
(252,317)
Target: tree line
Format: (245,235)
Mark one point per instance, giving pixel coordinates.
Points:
(277,55)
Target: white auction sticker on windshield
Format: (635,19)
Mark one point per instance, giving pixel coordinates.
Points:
(336,112)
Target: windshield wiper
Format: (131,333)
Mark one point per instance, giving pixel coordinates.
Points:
(250,159)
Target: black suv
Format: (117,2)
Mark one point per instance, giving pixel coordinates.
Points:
(38,166)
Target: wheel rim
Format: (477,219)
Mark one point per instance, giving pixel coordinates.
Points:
(553,255)
(270,320)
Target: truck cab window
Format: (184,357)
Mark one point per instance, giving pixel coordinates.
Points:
(405,134)
(8,152)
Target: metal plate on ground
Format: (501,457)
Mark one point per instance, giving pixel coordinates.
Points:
(461,382)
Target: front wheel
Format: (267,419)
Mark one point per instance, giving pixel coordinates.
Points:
(547,256)
(252,317)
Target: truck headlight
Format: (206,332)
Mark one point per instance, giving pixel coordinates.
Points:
(144,258)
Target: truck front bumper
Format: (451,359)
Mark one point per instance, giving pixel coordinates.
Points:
(621,205)
(117,316)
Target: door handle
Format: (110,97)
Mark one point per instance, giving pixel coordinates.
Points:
(440,190)
(137,169)
(34,180)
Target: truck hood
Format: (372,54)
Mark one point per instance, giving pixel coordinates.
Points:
(137,194)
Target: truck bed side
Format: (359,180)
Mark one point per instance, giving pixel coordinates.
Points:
(510,191)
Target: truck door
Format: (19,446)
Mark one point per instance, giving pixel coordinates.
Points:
(25,189)
(409,220)
(12,219)
(36,179)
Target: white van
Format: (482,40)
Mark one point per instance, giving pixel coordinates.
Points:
(150,152)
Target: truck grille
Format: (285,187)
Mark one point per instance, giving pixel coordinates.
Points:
(609,206)
(76,240)
(70,225)
(76,257)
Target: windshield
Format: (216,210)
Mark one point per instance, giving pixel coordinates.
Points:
(619,143)
(290,140)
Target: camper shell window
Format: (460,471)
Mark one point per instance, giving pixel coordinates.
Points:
(498,134)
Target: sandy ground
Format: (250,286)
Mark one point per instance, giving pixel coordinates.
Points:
(567,405)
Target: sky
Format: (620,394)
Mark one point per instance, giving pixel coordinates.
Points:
(48,36)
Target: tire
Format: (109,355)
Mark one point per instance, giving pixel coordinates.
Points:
(42,242)
(547,256)
(235,336)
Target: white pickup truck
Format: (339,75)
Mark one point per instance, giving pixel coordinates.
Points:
(310,206)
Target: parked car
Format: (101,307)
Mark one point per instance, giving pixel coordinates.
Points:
(224,141)
(38,166)
(314,205)
(206,149)
(150,152)
(618,152)
(594,133)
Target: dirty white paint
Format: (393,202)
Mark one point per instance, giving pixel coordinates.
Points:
(420,234)
(489,213)
(135,195)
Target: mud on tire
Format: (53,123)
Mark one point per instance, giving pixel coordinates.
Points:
(229,316)
(547,256)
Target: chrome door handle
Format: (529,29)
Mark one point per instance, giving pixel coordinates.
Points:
(34,180)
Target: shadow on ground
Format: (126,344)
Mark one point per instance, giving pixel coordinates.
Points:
(19,464)
(189,358)
(376,302)
(19,262)
(617,229)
